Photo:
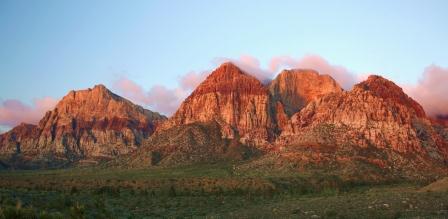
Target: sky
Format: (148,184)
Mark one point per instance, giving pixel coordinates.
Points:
(155,52)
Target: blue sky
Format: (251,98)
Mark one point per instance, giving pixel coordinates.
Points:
(49,47)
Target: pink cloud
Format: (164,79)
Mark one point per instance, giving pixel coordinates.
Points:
(431,91)
(163,99)
(14,112)
(341,74)
(159,98)
(130,90)
(192,79)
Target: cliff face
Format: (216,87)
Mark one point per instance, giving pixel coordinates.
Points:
(390,92)
(10,142)
(301,120)
(294,89)
(93,123)
(235,100)
(376,113)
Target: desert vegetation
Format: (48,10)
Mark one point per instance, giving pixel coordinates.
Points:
(208,190)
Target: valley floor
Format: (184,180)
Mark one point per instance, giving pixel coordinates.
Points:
(210,191)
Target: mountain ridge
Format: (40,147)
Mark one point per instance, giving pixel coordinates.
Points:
(86,124)
(300,120)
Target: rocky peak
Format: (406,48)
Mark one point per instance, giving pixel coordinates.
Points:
(236,100)
(9,141)
(99,103)
(20,131)
(389,91)
(228,78)
(87,124)
(297,87)
(376,113)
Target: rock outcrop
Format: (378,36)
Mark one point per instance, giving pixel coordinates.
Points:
(23,134)
(86,124)
(375,114)
(235,100)
(294,89)
(390,92)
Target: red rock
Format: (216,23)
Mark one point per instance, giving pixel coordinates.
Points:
(10,142)
(86,124)
(236,100)
(375,113)
(296,88)
(389,91)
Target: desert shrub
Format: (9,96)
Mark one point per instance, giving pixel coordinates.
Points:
(54,215)
(109,190)
(73,190)
(100,209)
(17,213)
(172,191)
(77,211)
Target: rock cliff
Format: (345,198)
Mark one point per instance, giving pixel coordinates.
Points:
(294,89)
(375,114)
(86,124)
(235,100)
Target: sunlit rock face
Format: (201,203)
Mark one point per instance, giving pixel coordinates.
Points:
(236,100)
(85,124)
(299,120)
(23,134)
(375,113)
(294,89)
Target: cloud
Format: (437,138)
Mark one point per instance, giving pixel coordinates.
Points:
(192,79)
(14,112)
(341,74)
(431,91)
(163,99)
(159,98)
(130,90)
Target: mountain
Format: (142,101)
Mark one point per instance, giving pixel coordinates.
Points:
(293,89)
(87,124)
(23,133)
(237,101)
(300,122)
(375,123)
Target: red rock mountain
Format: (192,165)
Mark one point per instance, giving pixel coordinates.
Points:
(234,99)
(301,120)
(390,92)
(86,124)
(375,114)
(23,133)
(294,89)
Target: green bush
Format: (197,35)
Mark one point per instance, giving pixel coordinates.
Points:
(77,211)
